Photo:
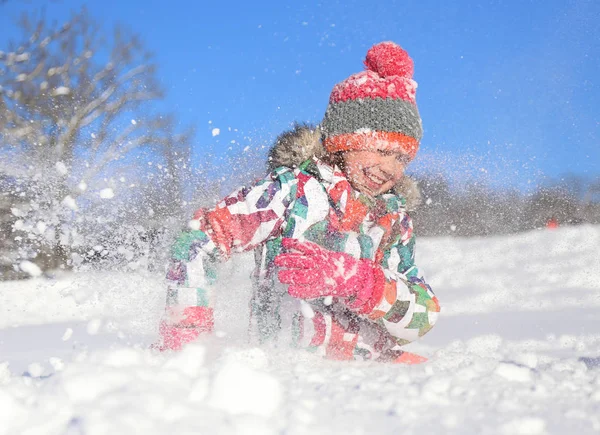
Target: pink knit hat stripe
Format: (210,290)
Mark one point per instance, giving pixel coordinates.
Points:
(369,84)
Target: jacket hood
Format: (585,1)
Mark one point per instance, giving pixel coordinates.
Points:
(295,146)
(303,142)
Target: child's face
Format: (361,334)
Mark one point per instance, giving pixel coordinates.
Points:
(374,172)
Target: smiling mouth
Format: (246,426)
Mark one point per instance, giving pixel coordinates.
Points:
(374,178)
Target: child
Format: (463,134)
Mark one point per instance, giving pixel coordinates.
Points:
(328,229)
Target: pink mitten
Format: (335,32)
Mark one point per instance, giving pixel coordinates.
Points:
(314,272)
(193,322)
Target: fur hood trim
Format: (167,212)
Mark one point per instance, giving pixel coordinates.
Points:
(303,142)
(295,146)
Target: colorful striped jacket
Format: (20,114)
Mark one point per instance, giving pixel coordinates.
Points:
(313,202)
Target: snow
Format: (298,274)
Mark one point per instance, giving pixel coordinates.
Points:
(194,225)
(216,131)
(30,268)
(69,202)
(516,351)
(61,168)
(17,212)
(524,426)
(61,90)
(107,193)
(41,227)
(514,373)
(93,326)
(67,335)
(239,388)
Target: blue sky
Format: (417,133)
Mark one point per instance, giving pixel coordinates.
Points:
(509,91)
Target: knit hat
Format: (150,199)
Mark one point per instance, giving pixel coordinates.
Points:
(378,103)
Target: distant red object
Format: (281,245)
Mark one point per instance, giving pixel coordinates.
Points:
(552,224)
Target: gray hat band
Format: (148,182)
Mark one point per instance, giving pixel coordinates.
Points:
(393,115)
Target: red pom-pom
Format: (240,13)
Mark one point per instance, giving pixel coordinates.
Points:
(389,59)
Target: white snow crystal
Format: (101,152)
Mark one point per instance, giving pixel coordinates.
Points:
(82,186)
(61,168)
(17,212)
(361,80)
(41,227)
(133,121)
(68,333)
(69,202)
(61,90)
(363,130)
(306,310)
(23,57)
(247,148)
(93,326)
(107,193)
(194,224)
(216,131)
(30,268)
(56,363)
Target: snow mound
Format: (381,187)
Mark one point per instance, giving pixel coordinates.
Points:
(516,351)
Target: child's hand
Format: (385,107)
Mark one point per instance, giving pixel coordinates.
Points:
(314,272)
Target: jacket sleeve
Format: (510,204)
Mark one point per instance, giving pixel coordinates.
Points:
(240,222)
(407,307)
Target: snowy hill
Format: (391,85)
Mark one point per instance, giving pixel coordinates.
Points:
(516,351)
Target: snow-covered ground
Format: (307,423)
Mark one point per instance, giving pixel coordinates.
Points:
(516,351)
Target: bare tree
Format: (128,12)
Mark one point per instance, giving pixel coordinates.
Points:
(75,106)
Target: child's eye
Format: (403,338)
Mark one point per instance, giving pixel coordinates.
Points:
(403,158)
